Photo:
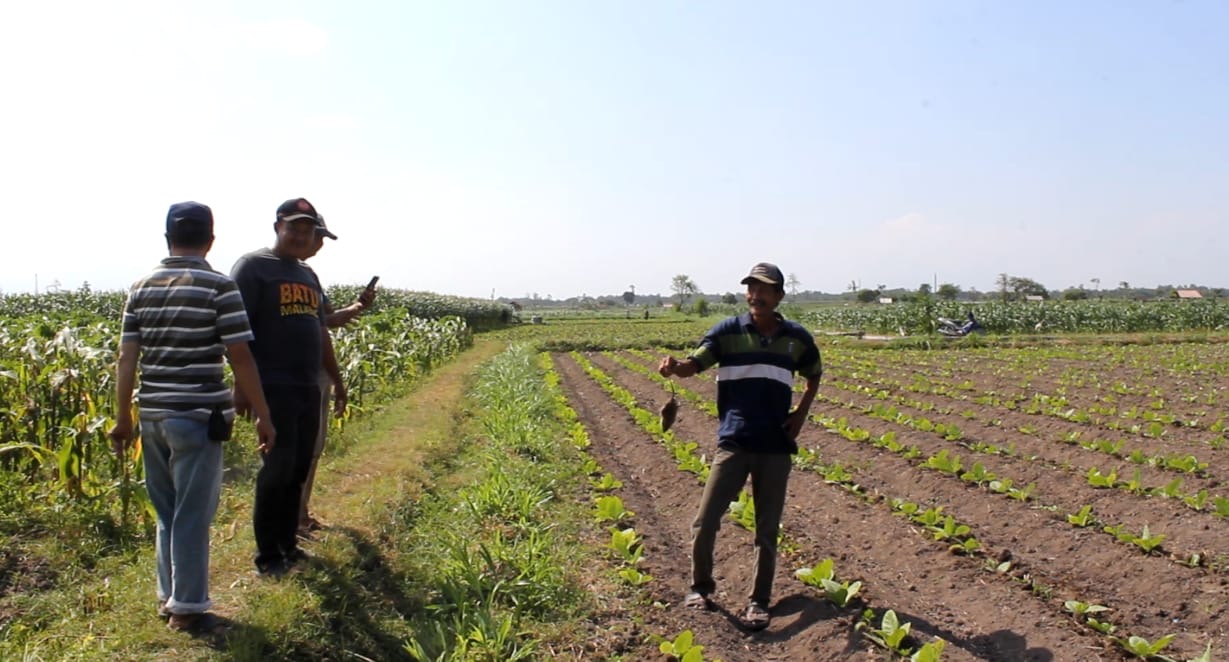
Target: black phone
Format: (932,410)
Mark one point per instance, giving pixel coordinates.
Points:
(371,284)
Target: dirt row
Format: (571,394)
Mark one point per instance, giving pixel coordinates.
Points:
(1150,595)
(940,594)
(1058,470)
(1176,390)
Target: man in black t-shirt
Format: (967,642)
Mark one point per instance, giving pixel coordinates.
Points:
(285,306)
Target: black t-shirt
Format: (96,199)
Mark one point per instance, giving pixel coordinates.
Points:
(285,306)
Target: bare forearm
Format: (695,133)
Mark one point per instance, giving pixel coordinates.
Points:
(808,395)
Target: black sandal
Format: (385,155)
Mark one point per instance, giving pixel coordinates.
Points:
(756,616)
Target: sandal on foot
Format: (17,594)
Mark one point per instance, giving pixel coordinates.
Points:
(756,616)
(696,600)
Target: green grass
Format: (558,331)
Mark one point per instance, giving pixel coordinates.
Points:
(454,514)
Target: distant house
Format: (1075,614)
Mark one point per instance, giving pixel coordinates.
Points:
(1034,297)
(885,299)
(1188,294)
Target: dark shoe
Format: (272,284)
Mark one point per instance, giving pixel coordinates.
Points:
(197,622)
(272,569)
(311,524)
(296,555)
(163,612)
(756,617)
(697,600)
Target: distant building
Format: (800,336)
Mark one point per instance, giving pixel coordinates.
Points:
(1034,297)
(1188,294)
(885,299)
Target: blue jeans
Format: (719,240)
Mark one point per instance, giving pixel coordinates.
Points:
(183,475)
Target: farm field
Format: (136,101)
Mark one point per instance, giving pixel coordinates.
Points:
(1023,504)
(1007,498)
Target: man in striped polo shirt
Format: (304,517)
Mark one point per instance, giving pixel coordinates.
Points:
(178,322)
(757,355)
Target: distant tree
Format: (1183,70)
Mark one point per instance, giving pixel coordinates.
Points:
(701,307)
(924,289)
(948,292)
(1075,294)
(852,286)
(729,298)
(684,287)
(1124,285)
(1096,283)
(792,282)
(1026,286)
(629,297)
(1004,283)
(867,296)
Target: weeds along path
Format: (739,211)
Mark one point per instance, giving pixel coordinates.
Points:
(940,594)
(1150,595)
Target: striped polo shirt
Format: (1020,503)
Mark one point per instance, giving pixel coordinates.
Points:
(755,380)
(183,314)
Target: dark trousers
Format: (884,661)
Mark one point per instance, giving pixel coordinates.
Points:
(279,485)
(769,476)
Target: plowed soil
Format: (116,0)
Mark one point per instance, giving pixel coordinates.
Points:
(983,614)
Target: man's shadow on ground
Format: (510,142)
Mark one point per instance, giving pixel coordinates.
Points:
(1000,645)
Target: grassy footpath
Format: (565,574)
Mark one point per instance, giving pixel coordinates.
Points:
(451,534)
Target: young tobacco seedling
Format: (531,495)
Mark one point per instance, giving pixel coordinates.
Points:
(610,509)
(1142,648)
(634,577)
(1082,518)
(1083,609)
(683,648)
(929,652)
(890,634)
(1098,479)
(606,483)
(627,544)
(977,475)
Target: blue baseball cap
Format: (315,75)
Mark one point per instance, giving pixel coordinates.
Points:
(189,217)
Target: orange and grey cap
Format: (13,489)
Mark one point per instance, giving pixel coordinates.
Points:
(765,272)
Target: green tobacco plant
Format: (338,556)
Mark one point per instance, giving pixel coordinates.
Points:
(743,511)
(1145,650)
(634,577)
(944,462)
(682,648)
(626,543)
(606,483)
(610,509)
(1098,479)
(1082,518)
(1083,609)
(823,577)
(891,633)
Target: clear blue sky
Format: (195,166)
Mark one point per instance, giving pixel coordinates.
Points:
(570,148)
